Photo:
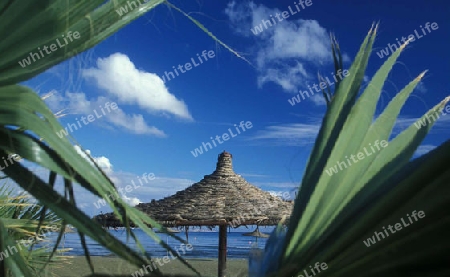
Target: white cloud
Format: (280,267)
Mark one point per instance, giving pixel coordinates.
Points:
(286,49)
(55,101)
(423,149)
(346,58)
(105,164)
(135,124)
(132,201)
(76,103)
(283,76)
(118,76)
(238,14)
(141,192)
(421,88)
(286,185)
(366,79)
(304,39)
(101,161)
(293,134)
(403,122)
(318,99)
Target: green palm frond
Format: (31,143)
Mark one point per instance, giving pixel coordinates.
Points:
(334,213)
(26,227)
(28,128)
(49,20)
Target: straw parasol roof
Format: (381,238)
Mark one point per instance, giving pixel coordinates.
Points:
(69,229)
(219,198)
(256,233)
(222,198)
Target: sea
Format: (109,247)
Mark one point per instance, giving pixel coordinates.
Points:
(204,243)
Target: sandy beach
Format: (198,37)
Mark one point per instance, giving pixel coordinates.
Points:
(78,267)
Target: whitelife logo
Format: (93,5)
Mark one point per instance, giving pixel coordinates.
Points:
(11,158)
(323,85)
(90,118)
(423,122)
(30,241)
(360,155)
(53,47)
(124,9)
(398,227)
(147,177)
(392,47)
(224,136)
(188,66)
(280,16)
(318,268)
(146,269)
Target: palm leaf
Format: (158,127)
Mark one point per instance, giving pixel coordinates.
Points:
(27,126)
(14,263)
(23,222)
(335,213)
(49,20)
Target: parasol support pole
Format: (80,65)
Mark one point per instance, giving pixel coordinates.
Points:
(222,250)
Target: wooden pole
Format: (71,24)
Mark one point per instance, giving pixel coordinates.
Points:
(222,250)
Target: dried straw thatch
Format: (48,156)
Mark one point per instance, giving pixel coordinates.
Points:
(221,198)
(256,233)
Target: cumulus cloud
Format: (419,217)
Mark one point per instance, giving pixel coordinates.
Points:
(102,161)
(423,149)
(143,189)
(132,201)
(287,50)
(156,187)
(105,164)
(283,76)
(118,76)
(421,88)
(403,122)
(77,103)
(318,100)
(134,123)
(292,134)
(140,192)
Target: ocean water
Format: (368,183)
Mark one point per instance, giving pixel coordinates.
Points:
(205,244)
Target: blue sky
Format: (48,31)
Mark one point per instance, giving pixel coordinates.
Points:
(157,124)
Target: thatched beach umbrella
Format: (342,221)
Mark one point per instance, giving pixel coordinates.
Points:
(257,234)
(222,199)
(69,229)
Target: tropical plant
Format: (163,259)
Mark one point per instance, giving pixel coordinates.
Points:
(26,225)
(335,213)
(332,213)
(28,127)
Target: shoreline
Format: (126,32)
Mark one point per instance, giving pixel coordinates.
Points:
(78,266)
